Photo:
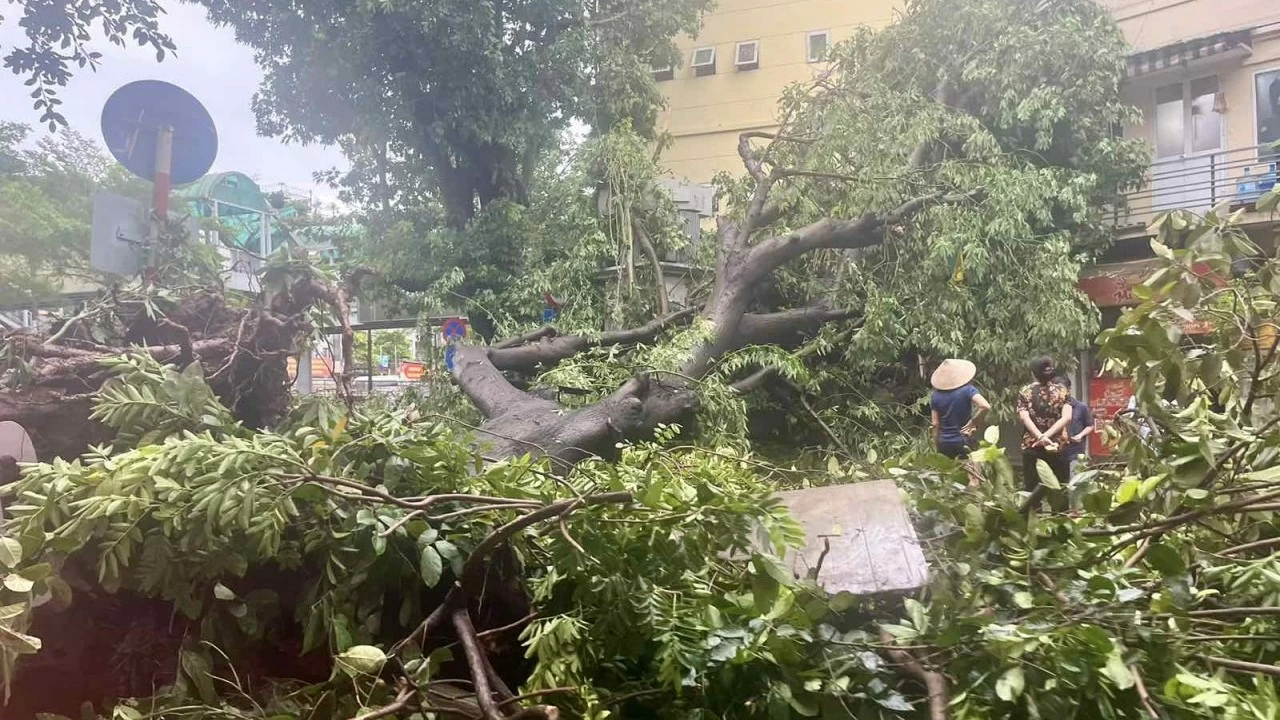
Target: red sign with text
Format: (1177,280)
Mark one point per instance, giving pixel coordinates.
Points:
(1112,285)
(1107,396)
(412,370)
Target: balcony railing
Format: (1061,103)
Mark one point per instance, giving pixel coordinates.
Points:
(1238,176)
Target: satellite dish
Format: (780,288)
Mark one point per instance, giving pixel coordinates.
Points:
(136,120)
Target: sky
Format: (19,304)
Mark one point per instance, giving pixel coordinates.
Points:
(209,64)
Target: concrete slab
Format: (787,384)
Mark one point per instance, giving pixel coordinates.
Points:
(874,548)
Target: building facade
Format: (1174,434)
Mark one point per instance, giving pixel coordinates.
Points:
(735,70)
(1205,75)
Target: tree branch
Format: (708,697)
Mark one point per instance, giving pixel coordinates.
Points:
(543,348)
(755,380)
(401,702)
(1242,666)
(788,328)
(660,283)
(477,664)
(479,378)
(934,682)
(474,568)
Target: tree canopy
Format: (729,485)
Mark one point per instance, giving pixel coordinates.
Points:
(59,37)
(604,541)
(916,201)
(378,538)
(451,100)
(46,201)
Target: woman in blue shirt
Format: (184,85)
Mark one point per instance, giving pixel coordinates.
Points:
(953,402)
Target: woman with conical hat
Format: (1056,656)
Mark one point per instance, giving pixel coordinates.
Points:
(953,404)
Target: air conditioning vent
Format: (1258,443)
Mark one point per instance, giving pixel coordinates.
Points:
(747,55)
(704,61)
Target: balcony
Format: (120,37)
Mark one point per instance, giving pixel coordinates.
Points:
(1200,182)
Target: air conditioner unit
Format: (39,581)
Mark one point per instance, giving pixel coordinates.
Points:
(699,199)
(704,61)
(746,55)
(663,74)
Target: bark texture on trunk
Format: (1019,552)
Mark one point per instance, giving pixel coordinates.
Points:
(747,256)
(242,351)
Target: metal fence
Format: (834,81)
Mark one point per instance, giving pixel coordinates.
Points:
(1238,176)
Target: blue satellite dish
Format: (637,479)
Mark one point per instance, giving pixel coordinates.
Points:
(134,116)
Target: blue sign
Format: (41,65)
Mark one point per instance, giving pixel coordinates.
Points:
(132,120)
(454,329)
(449,357)
(549,314)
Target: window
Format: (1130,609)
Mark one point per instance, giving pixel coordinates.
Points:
(666,73)
(816,44)
(1188,118)
(704,61)
(1169,121)
(746,55)
(1267,104)
(1206,121)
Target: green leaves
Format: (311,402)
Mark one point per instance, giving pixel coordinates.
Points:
(1117,670)
(430,566)
(1047,478)
(361,660)
(197,670)
(10,552)
(1165,559)
(1010,684)
(222,592)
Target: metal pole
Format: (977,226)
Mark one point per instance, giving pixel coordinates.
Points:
(369,352)
(164,164)
(303,380)
(160,191)
(1213,179)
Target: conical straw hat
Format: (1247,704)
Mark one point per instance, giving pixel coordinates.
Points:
(953,373)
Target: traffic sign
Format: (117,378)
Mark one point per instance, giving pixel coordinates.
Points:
(454,329)
(412,370)
(135,116)
(161,133)
(450,357)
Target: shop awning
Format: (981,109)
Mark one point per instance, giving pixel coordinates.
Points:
(1222,46)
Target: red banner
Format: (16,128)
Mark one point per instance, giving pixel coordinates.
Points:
(1107,396)
(1112,285)
(412,370)
(322,366)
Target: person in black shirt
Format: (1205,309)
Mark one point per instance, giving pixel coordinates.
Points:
(1081,426)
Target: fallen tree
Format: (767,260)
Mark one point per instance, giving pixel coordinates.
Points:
(915,200)
(241,348)
(411,575)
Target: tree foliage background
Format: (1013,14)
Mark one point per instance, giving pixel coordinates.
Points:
(46,206)
(604,541)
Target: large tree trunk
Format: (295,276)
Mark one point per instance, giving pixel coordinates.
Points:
(747,257)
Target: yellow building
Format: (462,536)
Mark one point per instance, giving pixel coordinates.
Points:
(736,69)
(1206,76)
(1205,73)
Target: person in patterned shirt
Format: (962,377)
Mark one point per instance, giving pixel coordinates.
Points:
(1044,407)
